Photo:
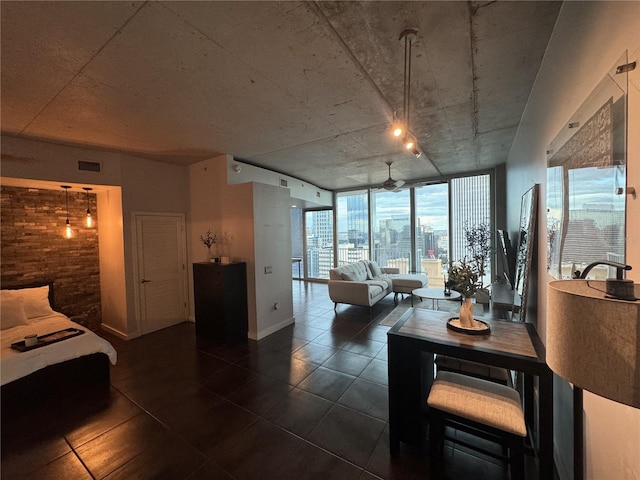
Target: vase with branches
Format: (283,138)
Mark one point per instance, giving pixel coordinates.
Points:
(209,240)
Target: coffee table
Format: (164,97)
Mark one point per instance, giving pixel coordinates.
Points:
(434,294)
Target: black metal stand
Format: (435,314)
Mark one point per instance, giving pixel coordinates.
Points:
(578,435)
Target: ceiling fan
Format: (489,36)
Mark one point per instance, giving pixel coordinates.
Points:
(390,184)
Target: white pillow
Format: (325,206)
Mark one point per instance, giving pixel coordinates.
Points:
(375,269)
(36,300)
(12,312)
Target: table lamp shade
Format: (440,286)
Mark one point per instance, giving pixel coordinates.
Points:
(593,341)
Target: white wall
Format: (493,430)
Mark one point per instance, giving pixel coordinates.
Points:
(147,187)
(311,195)
(589,37)
(113,294)
(257,217)
(272,234)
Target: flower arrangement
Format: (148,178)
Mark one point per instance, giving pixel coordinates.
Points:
(463,278)
(208,240)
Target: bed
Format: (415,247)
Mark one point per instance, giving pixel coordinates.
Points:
(77,363)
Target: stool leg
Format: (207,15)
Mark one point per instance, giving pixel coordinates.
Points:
(436,433)
(516,459)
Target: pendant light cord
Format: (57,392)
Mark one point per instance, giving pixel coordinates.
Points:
(66,199)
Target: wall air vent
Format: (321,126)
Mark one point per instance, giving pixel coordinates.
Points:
(283,183)
(89,166)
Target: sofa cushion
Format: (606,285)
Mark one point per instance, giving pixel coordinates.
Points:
(375,290)
(367,266)
(405,281)
(353,272)
(350,276)
(382,282)
(375,269)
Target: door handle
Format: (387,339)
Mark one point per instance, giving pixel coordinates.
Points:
(144,280)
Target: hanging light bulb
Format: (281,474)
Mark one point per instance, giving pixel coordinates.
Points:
(68,233)
(397,128)
(89,219)
(409,143)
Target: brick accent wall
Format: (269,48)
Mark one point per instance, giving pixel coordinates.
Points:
(34,249)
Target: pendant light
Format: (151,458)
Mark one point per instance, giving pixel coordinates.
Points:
(68,233)
(401,128)
(89,220)
(408,35)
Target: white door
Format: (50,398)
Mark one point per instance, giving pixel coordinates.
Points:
(161,273)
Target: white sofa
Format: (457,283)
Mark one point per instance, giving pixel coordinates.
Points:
(365,283)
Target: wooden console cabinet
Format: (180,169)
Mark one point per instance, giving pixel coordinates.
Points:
(220,295)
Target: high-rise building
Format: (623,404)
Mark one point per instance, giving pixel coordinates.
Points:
(357,220)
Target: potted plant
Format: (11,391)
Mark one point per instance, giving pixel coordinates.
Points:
(463,278)
(478,238)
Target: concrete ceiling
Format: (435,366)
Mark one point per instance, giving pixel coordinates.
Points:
(304,88)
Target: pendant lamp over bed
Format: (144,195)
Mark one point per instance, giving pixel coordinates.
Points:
(89,220)
(68,233)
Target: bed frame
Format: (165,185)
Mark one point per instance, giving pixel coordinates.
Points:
(66,379)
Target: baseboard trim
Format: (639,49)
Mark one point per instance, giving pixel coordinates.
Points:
(274,328)
(116,332)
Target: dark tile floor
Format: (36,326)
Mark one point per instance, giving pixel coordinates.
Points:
(309,401)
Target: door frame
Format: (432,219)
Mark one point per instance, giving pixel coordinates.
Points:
(136,271)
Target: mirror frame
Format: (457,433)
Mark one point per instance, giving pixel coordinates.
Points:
(524,253)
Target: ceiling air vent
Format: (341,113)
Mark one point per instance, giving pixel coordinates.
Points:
(89,166)
(283,183)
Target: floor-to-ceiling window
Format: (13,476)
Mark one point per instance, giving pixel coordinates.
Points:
(391,229)
(432,231)
(470,208)
(319,241)
(297,243)
(353,226)
(416,229)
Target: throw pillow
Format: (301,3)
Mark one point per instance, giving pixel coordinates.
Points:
(350,276)
(12,312)
(375,269)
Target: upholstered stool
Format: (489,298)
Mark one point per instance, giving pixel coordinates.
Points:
(406,283)
(479,370)
(479,407)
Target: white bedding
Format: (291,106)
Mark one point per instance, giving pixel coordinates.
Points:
(16,364)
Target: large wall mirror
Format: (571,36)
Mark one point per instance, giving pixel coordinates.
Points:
(586,180)
(524,252)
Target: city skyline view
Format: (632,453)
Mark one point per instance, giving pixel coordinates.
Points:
(391,239)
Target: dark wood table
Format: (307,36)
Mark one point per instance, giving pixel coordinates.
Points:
(420,334)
